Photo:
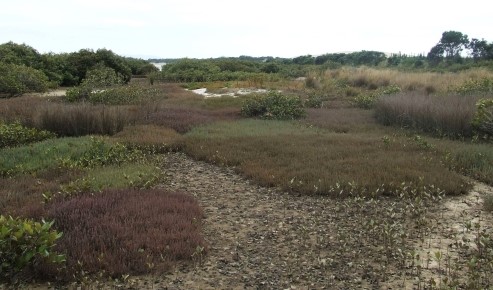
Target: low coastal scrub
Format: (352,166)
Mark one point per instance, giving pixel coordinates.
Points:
(15,134)
(273,106)
(314,161)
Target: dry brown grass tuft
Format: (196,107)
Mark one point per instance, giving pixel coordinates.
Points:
(449,115)
(82,119)
(427,82)
(21,109)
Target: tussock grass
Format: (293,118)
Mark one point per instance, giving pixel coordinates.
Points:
(126,231)
(22,109)
(310,160)
(428,82)
(82,119)
(449,115)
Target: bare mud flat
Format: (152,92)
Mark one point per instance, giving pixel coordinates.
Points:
(263,238)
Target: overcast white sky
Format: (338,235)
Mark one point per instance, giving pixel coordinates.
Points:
(214,28)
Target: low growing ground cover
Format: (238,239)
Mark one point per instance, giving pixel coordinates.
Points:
(311,160)
(336,150)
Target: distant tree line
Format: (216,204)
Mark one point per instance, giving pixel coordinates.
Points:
(24,69)
(453,43)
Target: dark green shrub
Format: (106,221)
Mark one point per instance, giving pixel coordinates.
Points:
(483,85)
(483,120)
(368,101)
(25,243)
(97,80)
(101,153)
(313,101)
(274,106)
(124,95)
(15,134)
(16,80)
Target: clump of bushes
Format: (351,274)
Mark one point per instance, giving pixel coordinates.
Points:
(25,244)
(97,79)
(274,105)
(15,134)
(100,153)
(16,80)
(483,120)
(483,85)
(123,95)
(368,101)
(313,101)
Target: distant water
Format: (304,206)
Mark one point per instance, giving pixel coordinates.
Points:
(159,65)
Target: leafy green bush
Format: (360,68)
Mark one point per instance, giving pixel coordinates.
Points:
(483,120)
(123,95)
(25,243)
(483,85)
(368,101)
(274,106)
(16,80)
(313,101)
(97,79)
(101,153)
(15,134)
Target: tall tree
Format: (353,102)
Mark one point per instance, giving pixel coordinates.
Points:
(435,55)
(453,42)
(480,49)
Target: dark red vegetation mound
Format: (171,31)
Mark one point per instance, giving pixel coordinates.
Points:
(124,231)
